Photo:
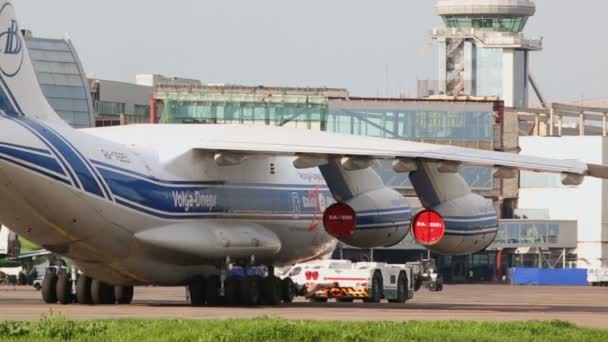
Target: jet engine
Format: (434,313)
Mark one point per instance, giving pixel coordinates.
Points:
(461,226)
(378,218)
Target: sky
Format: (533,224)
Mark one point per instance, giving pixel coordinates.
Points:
(335,43)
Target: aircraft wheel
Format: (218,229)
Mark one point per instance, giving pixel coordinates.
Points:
(271,291)
(63,288)
(212,291)
(345,300)
(83,290)
(318,300)
(197,291)
(49,287)
(123,294)
(418,282)
(288,290)
(250,290)
(376,293)
(401,289)
(102,293)
(232,289)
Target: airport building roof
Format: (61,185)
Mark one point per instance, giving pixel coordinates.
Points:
(486,7)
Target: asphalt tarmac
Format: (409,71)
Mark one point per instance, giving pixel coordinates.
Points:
(584,306)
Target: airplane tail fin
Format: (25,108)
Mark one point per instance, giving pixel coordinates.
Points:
(20,93)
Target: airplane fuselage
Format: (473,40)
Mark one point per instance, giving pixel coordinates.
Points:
(87,197)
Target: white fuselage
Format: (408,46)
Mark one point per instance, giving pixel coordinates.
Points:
(85,196)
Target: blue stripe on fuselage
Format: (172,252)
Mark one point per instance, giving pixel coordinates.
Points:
(18,120)
(46,162)
(84,175)
(191,199)
(469,234)
(37,170)
(23,147)
(89,167)
(380,218)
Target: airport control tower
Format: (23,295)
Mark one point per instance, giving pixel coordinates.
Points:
(482,50)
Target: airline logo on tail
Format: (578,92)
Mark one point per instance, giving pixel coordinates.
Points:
(11,43)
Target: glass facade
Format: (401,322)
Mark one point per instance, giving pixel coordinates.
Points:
(522,233)
(412,124)
(470,125)
(109,108)
(486,23)
(62,79)
(141,110)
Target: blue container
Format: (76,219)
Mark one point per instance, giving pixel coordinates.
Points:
(541,276)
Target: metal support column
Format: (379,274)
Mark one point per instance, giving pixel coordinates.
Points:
(604,128)
(581,124)
(536,124)
(560,123)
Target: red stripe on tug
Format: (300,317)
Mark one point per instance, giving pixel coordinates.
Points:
(428,227)
(340,220)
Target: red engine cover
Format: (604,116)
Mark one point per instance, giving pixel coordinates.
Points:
(340,220)
(428,227)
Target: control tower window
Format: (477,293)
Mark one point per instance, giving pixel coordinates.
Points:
(497,24)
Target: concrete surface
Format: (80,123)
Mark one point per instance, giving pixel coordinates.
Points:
(585,306)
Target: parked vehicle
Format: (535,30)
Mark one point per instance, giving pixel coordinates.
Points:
(347,281)
(598,276)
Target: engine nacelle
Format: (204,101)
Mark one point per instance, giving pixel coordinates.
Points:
(460,226)
(379,218)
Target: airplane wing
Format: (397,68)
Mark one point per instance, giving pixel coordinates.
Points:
(231,142)
(42,252)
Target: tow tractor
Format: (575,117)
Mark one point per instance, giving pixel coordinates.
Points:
(425,275)
(347,281)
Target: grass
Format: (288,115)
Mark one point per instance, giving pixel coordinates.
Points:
(56,328)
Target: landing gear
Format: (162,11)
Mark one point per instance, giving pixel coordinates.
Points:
(271,290)
(83,290)
(59,287)
(197,291)
(63,288)
(232,288)
(123,294)
(239,285)
(102,293)
(49,287)
(212,291)
(250,290)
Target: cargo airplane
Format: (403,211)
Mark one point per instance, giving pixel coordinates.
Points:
(171,205)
